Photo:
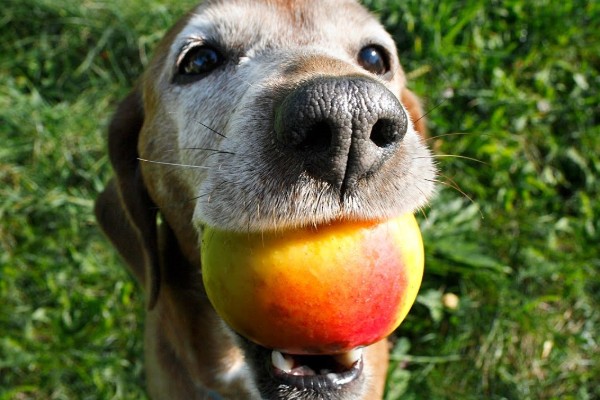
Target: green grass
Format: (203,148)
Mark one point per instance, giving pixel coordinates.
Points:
(512,84)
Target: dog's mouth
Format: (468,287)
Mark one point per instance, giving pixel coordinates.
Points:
(280,375)
(319,373)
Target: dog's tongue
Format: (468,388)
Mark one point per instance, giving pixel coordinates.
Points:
(315,291)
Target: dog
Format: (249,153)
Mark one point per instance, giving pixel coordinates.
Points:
(256,115)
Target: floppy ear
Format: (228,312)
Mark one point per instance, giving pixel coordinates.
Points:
(413,106)
(124,209)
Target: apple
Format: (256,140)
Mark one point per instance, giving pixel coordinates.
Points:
(324,290)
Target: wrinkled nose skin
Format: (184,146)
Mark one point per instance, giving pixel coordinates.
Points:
(341,129)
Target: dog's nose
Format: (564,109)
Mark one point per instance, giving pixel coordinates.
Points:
(341,129)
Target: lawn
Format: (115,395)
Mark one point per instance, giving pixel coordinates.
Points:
(510,305)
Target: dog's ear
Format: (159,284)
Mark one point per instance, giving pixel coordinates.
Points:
(125,210)
(415,111)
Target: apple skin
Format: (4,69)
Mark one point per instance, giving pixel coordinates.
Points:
(322,290)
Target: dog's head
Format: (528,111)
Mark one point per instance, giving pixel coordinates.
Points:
(263,115)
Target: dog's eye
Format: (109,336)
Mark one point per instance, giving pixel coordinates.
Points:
(200,60)
(374,59)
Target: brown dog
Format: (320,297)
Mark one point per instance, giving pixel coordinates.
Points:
(256,115)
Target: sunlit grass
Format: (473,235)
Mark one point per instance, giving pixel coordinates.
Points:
(511,84)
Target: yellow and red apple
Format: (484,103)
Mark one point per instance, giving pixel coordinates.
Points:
(322,290)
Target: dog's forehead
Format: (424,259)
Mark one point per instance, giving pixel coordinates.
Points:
(254,25)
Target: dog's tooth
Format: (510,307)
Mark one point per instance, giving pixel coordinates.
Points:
(281,362)
(350,358)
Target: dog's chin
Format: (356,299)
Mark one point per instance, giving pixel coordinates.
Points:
(284,376)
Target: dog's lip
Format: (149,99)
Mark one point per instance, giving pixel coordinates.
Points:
(319,373)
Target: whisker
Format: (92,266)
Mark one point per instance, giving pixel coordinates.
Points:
(180,204)
(438,105)
(453,185)
(452,156)
(461,157)
(173,164)
(206,126)
(421,210)
(214,151)
(210,129)
(447,134)
(207,149)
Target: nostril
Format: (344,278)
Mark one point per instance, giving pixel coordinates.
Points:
(387,132)
(318,137)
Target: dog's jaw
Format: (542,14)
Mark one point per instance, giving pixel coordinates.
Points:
(366,385)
